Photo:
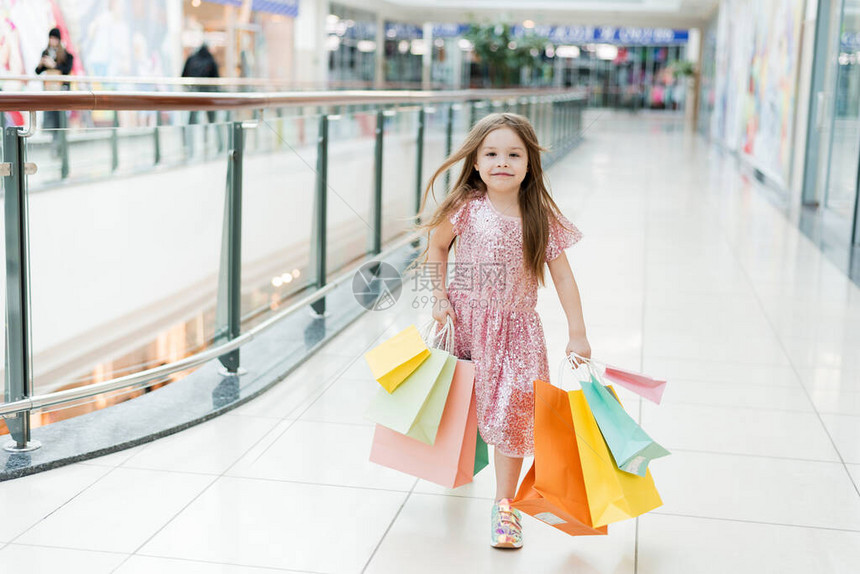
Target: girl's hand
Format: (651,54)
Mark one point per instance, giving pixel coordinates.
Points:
(578,345)
(442,309)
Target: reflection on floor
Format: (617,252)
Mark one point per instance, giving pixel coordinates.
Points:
(685,272)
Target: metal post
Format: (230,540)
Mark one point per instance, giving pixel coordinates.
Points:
(157,139)
(473,113)
(114,143)
(376,212)
(233,239)
(19,384)
(419,161)
(449,141)
(321,211)
(64,145)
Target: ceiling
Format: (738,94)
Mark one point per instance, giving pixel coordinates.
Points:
(645,13)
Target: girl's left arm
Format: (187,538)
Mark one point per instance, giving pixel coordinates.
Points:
(568,294)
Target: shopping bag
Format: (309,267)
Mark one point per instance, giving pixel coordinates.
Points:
(613,495)
(554,489)
(532,502)
(397,358)
(630,446)
(642,385)
(415,409)
(482,454)
(450,460)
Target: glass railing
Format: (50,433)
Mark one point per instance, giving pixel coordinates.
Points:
(149,251)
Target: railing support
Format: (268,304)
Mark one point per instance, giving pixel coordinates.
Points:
(19,384)
(319,246)
(376,212)
(449,142)
(231,286)
(114,143)
(157,138)
(419,161)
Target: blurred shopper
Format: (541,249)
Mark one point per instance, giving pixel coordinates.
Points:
(202,64)
(56,60)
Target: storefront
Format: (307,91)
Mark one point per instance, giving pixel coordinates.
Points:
(249,38)
(833,148)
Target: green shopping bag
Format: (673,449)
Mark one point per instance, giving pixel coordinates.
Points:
(482,454)
(415,407)
(631,447)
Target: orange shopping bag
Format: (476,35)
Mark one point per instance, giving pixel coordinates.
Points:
(450,460)
(553,491)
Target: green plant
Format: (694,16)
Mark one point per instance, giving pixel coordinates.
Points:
(502,55)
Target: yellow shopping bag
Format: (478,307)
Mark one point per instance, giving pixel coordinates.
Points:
(613,495)
(397,358)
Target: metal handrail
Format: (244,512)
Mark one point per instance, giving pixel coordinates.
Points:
(60,397)
(177,81)
(122,101)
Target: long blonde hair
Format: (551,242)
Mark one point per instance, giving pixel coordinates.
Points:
(537,207)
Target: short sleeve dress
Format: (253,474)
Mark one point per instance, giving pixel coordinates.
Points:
(494,298)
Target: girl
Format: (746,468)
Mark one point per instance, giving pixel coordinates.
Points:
(507,228)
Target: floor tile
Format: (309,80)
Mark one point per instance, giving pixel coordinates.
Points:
(150,565)
(716,370)
(738,431)
(210,447)
(756,489)
(854,469)
(118,513)
(31,498)
(830,379)
(323,453)
(683,545)
(458,541)
(36,559)
(845,431)
(730,395)
(344,402)
(322,528)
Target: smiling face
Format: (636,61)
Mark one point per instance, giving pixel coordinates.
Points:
(502,160)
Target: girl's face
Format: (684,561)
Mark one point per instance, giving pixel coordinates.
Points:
(502,160)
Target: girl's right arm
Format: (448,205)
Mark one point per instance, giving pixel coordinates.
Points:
(437,257)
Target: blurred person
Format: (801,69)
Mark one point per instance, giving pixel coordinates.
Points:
(202,64)
(56,60)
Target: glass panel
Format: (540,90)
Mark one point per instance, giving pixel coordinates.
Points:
(124,277)
(279,185)
(352,140)
(845,147)
(398,174)
(435,119)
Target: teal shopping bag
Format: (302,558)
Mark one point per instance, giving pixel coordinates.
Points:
(631,447)
(415,407)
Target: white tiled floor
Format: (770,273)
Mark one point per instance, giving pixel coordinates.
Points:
(686,272)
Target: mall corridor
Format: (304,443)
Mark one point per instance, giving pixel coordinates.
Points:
(688,270)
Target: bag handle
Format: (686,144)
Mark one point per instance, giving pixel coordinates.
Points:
(442,338)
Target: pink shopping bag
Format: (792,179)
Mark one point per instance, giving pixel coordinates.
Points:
(450,460)
(642,385)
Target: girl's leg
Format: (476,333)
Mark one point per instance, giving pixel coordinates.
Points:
(507,474)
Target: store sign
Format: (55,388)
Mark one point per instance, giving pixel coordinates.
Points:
(281,7)
(607,35)
(403,31)
(449,30)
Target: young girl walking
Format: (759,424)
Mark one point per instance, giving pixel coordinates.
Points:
(507,228)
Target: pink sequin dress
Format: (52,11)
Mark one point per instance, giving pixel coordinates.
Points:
(494,298)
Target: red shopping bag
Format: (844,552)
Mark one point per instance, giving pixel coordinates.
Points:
(450,460)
